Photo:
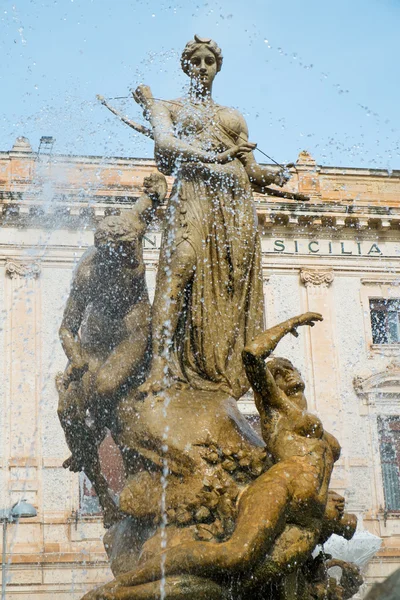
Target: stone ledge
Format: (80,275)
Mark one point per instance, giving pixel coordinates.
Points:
(48,558)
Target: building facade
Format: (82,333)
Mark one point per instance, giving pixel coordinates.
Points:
(338,254)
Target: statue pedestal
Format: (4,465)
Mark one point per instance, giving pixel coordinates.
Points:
(188,455)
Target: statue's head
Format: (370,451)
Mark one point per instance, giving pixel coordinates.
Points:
(155,186)
(119,235)
(201,60)
(286,376)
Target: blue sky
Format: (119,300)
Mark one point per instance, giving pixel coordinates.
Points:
(322,76)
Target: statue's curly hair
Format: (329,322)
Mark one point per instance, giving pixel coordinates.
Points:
(196,43)
(277,363)
(115,229)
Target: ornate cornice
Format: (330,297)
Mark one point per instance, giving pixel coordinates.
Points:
(16,268)
(71,210)
(316,277)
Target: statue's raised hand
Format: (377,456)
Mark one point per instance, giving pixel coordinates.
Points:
(155,185)
(282,177)
(308,318)
(143,96)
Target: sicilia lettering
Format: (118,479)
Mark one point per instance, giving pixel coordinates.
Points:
(326,247)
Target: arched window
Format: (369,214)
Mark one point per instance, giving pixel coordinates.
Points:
(380,400)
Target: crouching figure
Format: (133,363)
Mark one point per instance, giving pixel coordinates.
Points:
(105,333)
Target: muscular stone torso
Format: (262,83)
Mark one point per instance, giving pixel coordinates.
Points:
(112,291)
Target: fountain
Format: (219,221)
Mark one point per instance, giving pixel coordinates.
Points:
(210,508)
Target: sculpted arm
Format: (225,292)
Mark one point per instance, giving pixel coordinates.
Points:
(259,377)
(72,318)
(260,176)
(166,143)
(155,189)
(127,360)
(258,374)
(255,353)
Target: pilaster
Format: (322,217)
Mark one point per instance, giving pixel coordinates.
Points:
(22,377)
(317,283)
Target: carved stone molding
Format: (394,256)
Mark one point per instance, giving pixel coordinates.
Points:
(305,159)
(379,390)
(316,277)
(380,280)
(16,268)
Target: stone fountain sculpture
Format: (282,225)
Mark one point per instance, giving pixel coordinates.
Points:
(210,509)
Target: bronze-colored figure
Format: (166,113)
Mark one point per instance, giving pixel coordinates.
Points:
(210,510)
(319,585)
(282,513)
(105,334)
(208,301)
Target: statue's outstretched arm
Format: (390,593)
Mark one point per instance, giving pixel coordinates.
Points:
(136,126)
(258,375)
(265,343)
(167,144)
(255,353)
(260,176)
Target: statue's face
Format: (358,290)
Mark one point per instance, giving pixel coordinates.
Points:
(203,66)
(155,185)
(335,506)
(110,243)
(112,248)
(289,380)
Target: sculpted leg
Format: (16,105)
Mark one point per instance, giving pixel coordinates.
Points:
(174,273)
(83,443)
(92,468)
(71,412)
(291,549)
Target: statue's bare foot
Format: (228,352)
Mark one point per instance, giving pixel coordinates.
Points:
(157,379)
(73,464)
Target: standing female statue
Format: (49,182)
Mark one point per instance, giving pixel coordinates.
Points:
(208,301)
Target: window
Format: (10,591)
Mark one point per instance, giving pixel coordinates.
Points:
(389,446)
(88,501)
(112,468)
(385,320)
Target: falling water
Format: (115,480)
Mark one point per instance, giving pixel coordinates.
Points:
(336,254)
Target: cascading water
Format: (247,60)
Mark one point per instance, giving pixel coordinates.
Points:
(187,466)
